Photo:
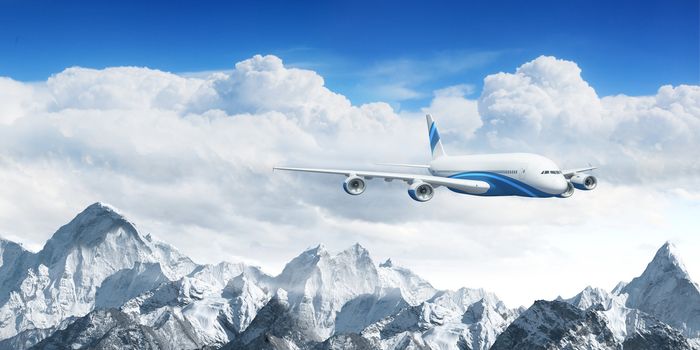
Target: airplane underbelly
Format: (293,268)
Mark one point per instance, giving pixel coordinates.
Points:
(500,184)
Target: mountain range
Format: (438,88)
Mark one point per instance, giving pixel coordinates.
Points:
(99,283)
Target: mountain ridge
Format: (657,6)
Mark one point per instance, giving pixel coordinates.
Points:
(150,295)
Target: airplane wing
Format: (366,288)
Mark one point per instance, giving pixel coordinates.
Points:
(469,186)
(571,172)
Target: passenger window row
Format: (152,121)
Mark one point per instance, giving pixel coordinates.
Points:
(551,172)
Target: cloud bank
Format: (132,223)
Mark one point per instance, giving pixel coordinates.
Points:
(190,158)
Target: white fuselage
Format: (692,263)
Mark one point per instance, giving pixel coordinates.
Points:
(508,174)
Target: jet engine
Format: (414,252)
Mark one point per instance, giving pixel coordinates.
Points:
(354,185)
(584,182)
(421,191)
(569,190)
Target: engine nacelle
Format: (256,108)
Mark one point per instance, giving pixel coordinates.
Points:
(354,185)
(569,190)
(421,191)
(584,182)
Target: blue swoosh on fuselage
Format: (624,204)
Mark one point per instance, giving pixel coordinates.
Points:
(501,185)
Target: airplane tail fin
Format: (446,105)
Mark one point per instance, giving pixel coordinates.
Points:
(434,136)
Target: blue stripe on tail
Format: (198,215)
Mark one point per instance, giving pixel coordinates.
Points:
(434,137)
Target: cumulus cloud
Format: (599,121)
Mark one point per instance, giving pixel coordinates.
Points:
(16,100)
(459,116)
(543,95)
(546,105)
(189,159)
(125,88)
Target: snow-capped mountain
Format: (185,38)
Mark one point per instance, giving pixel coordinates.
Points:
(466,318)
(101,284)
(557,325)
(666,291)
(67,277)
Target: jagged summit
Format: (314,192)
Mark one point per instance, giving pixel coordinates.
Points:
(319,261)
(590,297)
(356,251)
(98,258)
(667,260)
(89,228)
(102,206)
(666,291)
(665,266)
(387,263)
(8,244)
(340,298)
(319,249)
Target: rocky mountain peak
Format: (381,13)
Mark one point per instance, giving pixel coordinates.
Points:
(666,269)
(353,261)
(9,247)
(590,297)
(667,261)
(89,228)
(99,279)
(357,254)
(556,325)
(666,291)
(387,263)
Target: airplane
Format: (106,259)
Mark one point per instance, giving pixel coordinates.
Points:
(501,174)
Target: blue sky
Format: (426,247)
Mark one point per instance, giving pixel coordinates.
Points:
(189,159)
(367,50)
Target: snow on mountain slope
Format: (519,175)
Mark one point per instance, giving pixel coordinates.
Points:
(213,303)
(98,283)
(557,325)
(63,279)
(628,325)
(319,284)
(13,259)
(104,329)
(590,297)
(469,318)
(366,309)
(247,295)
(30,337)
(665,291)
(277,326)
(637,312)
(414,289)
(125,284)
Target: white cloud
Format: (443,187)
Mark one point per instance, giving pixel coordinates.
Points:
(189,159)
(543,95)
(458,115)
(16,100)
(546,105)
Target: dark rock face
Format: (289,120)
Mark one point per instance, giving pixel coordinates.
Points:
(352,341)
(30,337)
(102,329)
(271,328)
(556,325)
(657,337)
